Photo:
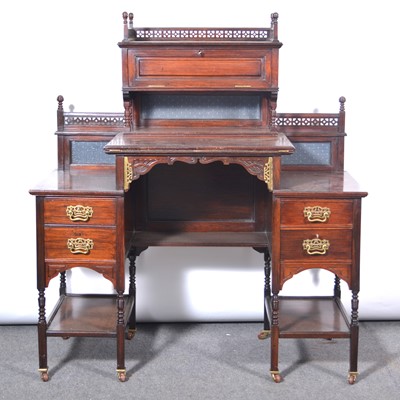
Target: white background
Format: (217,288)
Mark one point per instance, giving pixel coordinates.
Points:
(330,48)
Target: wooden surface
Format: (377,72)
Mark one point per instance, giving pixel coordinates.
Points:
(82,182)
(207,239)
(318,184)
(312,317)
(88,315)
(192,141)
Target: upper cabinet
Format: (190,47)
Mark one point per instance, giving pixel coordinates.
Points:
(200,59)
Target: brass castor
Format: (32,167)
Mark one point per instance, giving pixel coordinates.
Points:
(121,375)
(264,334)
(352,377)
(276,376)
(131,334)
(44,375)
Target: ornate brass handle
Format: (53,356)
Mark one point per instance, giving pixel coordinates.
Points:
(317,214)
(79,213)
(316,246)
(80,245)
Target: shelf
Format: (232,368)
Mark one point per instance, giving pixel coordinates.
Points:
(87,315)
(211,239)
(312,317)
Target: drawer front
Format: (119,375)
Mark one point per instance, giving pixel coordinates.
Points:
(79,210)
(200,69)
(176,67)
(316,245)
(313,212)
(80,244)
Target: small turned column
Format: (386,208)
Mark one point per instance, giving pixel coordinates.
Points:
(63,283)
(342,115)
(274,24)
(337,291)
(128,25)
(60,113)
(128,113)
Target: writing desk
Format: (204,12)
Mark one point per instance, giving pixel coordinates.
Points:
(199,157)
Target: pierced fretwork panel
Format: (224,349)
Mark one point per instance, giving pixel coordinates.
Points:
(300,121)
(201,33)
(201,107)
(110,119)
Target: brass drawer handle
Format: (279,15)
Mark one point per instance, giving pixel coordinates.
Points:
(317,214)
(316,246)
(79,213)
(80,245)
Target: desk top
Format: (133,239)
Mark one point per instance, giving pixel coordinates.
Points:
(253,142)
(318,183)
(78,182)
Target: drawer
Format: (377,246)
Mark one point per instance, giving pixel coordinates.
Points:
(316,245)
(317,212)
(81,244)
(79,210)
(199,68)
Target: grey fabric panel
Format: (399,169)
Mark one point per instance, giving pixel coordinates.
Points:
(309,153)
(207,107)
(90,153)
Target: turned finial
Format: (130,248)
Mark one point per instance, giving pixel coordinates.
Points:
(60,100)
(127,24)
(342,115)
(274,24)
(342,100)
(60,113)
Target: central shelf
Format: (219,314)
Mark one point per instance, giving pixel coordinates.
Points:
(207,239)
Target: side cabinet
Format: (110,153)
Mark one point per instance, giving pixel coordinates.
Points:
(80,226)
(314,229)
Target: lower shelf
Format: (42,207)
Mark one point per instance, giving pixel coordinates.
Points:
(87,315)
(312,317)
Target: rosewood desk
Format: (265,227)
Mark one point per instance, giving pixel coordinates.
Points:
(199,157)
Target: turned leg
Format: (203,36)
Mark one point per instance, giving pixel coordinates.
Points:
(132,292)
(63,283)
(336,291)
(354,329)
(121,371)
(276,376)
(63,291)
(267,295)
(42,337)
